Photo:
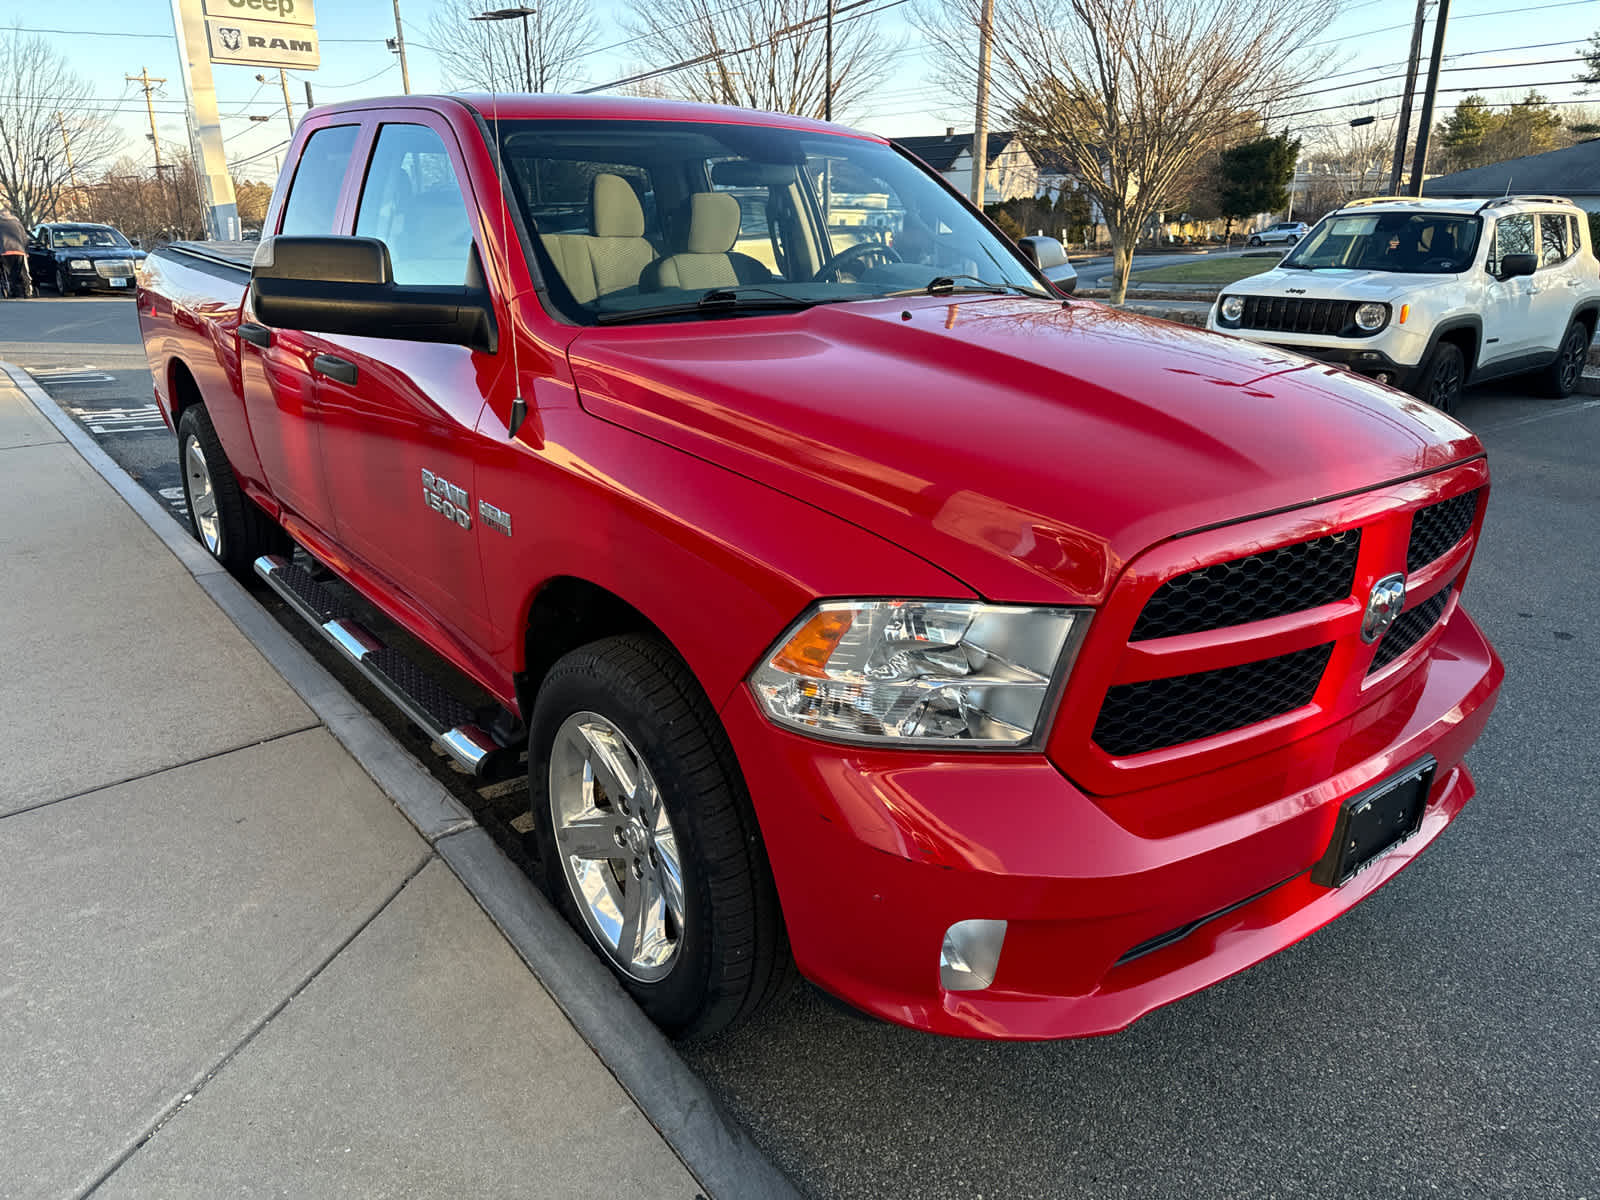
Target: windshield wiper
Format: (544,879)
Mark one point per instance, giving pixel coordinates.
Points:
(945,285)
(742,299)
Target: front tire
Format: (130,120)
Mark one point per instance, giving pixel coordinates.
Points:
(231,527)
(63,282)
(1561,378)
(1443,380)
(645,838)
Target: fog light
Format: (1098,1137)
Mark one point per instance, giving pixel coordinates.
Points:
(970,955)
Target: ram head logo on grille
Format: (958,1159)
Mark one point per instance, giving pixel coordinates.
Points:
(1383,607)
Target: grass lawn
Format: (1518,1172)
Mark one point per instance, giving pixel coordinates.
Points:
(1208,270)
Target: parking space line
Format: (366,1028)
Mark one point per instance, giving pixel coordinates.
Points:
(1567,410)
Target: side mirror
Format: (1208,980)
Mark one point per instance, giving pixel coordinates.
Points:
(1043,252)
(346,285)
(1513,265)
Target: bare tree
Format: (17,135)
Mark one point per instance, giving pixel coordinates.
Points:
(45,118)
(543,52)
(153,206)
(770,55)
(1344,162)
(1131,93)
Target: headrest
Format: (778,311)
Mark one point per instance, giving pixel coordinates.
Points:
(713,223)
(616,207)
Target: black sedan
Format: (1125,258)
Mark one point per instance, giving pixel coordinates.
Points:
(78,257)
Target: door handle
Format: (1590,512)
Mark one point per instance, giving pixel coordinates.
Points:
(334,368)
(256,335)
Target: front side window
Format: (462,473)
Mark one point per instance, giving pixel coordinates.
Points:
(1406,242)
(412,202)
(1555,239)
(313,203)
(1512,235)
(630,216)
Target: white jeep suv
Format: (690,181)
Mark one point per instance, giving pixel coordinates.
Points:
(1430,295)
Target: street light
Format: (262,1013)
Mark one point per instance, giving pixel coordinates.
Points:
(507,14)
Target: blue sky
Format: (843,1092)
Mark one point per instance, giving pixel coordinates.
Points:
(119,37)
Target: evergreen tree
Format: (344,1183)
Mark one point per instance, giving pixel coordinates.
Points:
(1255,177)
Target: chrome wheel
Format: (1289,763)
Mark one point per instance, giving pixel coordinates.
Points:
(617,848)
(202,500)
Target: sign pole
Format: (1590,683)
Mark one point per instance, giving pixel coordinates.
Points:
(205,126)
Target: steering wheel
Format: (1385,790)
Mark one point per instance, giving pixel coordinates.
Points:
(829,271)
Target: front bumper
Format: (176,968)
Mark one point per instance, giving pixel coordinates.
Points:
(876,853)
(93,281)
(1363,360)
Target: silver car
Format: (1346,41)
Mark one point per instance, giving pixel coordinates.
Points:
(1284,231)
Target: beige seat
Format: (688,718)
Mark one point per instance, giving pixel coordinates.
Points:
(713,222)
(610,259)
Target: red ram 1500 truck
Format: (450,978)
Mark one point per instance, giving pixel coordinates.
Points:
(1007,664)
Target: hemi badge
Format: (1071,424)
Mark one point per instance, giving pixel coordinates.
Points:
(495,518)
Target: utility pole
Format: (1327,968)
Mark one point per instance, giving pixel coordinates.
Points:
(72,173)
(1420,163)
(146,80)
(288,106)
(400,46)
(310,103)
(827,99)
(1403,128)
(980,131)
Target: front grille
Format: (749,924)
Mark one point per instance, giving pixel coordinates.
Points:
(1288,314)
(1437,529)
(1286,580)
(1409,629)
(114,268)
(1156,713)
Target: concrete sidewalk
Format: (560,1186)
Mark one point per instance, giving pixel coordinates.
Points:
(228,964)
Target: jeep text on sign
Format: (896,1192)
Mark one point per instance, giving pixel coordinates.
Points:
(281,12)
(263,43)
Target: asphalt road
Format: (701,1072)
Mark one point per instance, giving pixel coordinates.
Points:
(1442,1040)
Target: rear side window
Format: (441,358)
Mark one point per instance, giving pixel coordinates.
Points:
(412,201)
(313,202)
(1512,235)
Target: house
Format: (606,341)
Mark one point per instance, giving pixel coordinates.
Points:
(1011,171)
(1573,172)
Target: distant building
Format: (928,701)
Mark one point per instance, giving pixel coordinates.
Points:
(1011,171)
(1573,173)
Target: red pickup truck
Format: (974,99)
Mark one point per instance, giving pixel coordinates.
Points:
(1007,665)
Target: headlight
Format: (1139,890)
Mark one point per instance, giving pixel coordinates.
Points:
(917,671)
(1232,308)
(81,264)
(1371,317)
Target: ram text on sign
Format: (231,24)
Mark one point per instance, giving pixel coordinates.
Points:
(262,44)
(284,12)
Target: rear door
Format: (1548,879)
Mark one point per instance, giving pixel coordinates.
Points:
(1557,284)
(277,365)
(398,418)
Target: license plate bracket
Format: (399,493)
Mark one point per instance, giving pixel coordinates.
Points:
(1373,822)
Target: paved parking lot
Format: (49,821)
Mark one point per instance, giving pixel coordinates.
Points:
(1440,1040)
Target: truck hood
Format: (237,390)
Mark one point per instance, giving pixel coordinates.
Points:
(1335,284)
(1026,447)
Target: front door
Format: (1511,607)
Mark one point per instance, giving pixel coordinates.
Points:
(1509,324)
(397,417)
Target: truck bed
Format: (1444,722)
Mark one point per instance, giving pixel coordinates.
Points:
(238,255)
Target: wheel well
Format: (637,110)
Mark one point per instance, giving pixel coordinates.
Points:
(182,390)
(1587,316)
(569,612)
(1465,339)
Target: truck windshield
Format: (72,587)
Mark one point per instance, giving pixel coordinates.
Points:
(645,219)
(1412,242)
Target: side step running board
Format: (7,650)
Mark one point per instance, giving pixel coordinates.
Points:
(440,715)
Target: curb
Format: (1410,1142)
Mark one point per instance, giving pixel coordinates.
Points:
(711,1144)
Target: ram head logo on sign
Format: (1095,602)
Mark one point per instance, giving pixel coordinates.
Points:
(230,38)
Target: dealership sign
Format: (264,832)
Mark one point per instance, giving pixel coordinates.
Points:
(263,33)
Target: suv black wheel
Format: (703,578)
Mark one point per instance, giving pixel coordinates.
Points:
(645,838)
(1444,378)
(1561,378)
(223,519)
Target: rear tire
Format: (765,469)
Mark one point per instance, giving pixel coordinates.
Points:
(1444,378)
(1561,378)
(1254,241)
(626,758)
(1293,238)
(232,527)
